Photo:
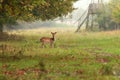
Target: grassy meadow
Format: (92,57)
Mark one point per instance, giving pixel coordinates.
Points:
(76,56)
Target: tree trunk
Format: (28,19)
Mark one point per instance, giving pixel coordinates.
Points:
(92,21)
(1,28)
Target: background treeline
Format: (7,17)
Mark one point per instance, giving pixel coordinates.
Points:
(110,18)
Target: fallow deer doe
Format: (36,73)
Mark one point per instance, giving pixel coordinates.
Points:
(51,40)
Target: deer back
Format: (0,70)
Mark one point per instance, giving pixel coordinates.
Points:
(46,39)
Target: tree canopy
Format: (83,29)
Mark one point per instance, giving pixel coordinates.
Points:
(30,10)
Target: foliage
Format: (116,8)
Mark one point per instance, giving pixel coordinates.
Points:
(115,9)
(30,10)
(106,20)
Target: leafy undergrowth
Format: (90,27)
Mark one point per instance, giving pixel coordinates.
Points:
(80,57)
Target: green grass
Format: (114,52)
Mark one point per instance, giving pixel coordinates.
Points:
(76,56)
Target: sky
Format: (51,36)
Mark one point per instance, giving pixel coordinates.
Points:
(84,3)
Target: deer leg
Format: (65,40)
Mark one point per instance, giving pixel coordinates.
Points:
(43,45)
(51,44)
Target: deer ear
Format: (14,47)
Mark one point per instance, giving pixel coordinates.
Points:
(51,32)
(55,32)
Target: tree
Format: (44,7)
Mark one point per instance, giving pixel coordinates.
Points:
(115,9)
(107,20)
(12,11)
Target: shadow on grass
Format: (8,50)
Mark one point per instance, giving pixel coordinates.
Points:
(5,37)
(12,58)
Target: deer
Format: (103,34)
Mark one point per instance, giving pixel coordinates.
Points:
(51,40)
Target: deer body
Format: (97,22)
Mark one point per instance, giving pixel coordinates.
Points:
(51,40)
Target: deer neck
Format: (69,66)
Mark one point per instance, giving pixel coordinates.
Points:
(53,38)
